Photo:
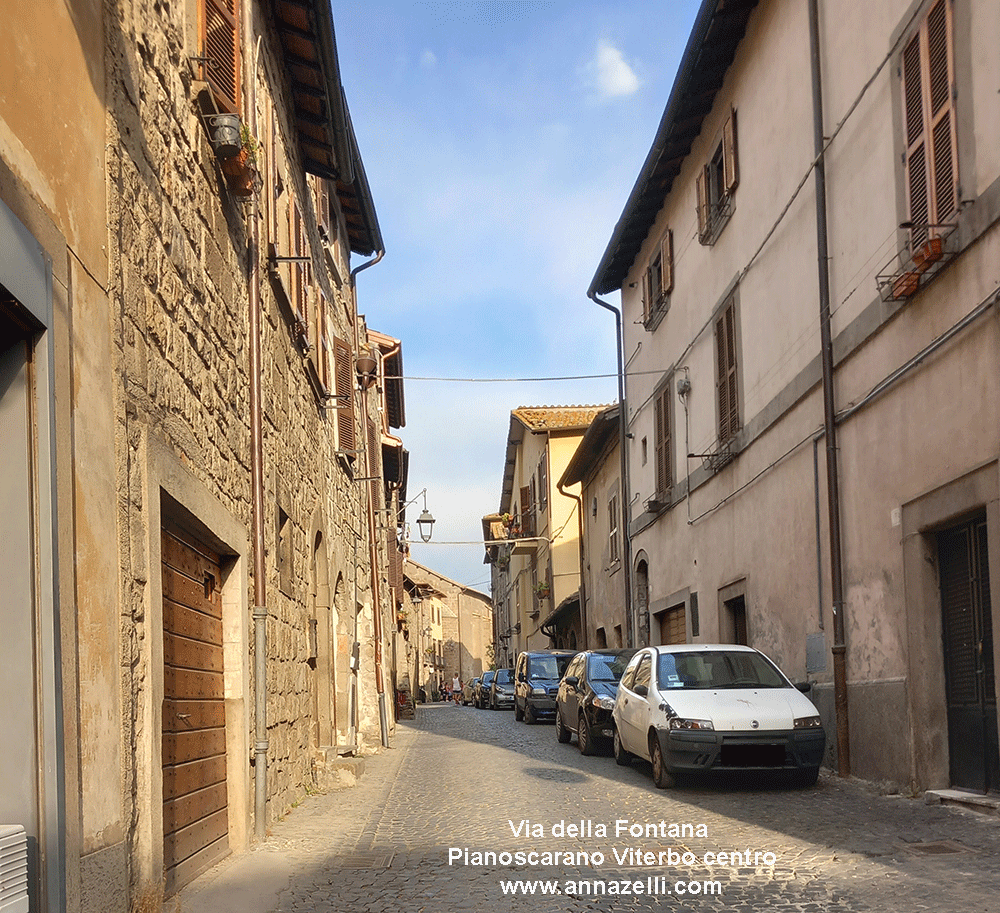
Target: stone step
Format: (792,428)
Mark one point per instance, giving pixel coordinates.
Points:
(336,772)
(977,802)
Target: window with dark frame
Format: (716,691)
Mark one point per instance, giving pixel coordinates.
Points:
(727,378)
(716,183)
(931,154)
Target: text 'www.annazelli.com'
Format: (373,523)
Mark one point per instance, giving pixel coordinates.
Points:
(611,886)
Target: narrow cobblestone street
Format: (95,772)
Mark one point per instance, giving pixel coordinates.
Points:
(456,775)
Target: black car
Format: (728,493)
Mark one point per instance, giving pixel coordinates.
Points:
(502,690)
(482,696)
(586,697)
(536,681)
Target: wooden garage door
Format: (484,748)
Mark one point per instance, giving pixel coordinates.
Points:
(673,626)
(195,819)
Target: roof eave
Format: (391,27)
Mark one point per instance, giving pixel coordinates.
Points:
(623,247)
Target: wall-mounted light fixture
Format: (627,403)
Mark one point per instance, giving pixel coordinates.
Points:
(366,366)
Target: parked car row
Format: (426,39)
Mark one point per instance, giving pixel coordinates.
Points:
(685,708)
(493,689)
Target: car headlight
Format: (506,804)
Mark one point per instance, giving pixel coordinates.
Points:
(541,691)
(679,723)
(605,703)
(808,722)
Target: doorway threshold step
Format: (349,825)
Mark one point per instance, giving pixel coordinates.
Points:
(977,802)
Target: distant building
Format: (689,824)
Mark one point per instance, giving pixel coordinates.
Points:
(536,570)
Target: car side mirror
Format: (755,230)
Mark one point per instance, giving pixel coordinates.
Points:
(641,690)
(804,687)
(572,680)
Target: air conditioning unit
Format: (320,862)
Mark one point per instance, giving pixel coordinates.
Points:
(13,869)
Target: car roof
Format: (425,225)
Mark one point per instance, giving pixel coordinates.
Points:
(700,648)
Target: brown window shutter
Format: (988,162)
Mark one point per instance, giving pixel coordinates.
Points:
(344,365)
(940,65)
(374,468)
(730,156)
(701,184)
(667,261)
(917,189)
(527,518)
(647,294)
(664,469)
(728,394)
(220,31)
(929,118)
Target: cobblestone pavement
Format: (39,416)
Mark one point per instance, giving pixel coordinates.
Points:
(456,776)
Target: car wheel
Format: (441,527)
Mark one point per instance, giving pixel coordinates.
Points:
(562,733)
(661,776)
(584,740)
(622,757)
(807,777)
(529,715)
(518,712)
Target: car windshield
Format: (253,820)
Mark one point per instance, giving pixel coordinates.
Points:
(548,667)
(503,677)
(711,669)
(487,678)
(606,667)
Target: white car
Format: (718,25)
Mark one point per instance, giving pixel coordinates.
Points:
(714,707)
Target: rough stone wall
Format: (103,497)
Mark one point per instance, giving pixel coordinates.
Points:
(179,293)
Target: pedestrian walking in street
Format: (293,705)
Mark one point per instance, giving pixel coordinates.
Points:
(456,688)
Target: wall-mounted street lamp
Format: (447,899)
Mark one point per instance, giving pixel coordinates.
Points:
(425,522)
(366,366)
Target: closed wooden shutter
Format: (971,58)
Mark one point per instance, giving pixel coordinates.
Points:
(701,185)
(220,32)
(667,262)
(344,369)
(663,445)
(527,520)
(730,158)
(647,294)
(929,120)
(726,381)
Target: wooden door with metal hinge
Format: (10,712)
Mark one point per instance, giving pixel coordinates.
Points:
(195,802)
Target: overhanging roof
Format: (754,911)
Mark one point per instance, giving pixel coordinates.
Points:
(718,29)
(539,420)
(322,120)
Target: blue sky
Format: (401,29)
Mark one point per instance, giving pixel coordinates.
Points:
(501,140)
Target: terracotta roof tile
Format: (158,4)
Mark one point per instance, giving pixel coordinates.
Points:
(543,418)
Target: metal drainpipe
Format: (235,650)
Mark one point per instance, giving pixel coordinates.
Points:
(623,420)
(583,585)
(256,464)
(372,544)
(829,410)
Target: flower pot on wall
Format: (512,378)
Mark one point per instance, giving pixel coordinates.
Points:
(224,132)
(906,284)
(929,252)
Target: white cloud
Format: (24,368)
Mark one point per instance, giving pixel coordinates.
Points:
(610,74)
(428,59)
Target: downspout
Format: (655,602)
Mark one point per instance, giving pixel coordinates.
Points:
(829,410)
(372,544)
(630,626)
(583,585)
(256,466)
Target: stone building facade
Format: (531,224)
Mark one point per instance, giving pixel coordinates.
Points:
(201,528)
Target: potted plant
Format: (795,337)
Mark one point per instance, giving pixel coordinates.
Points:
(542,590)
(929,252)
(906,284)
(224,131)
(241,169)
